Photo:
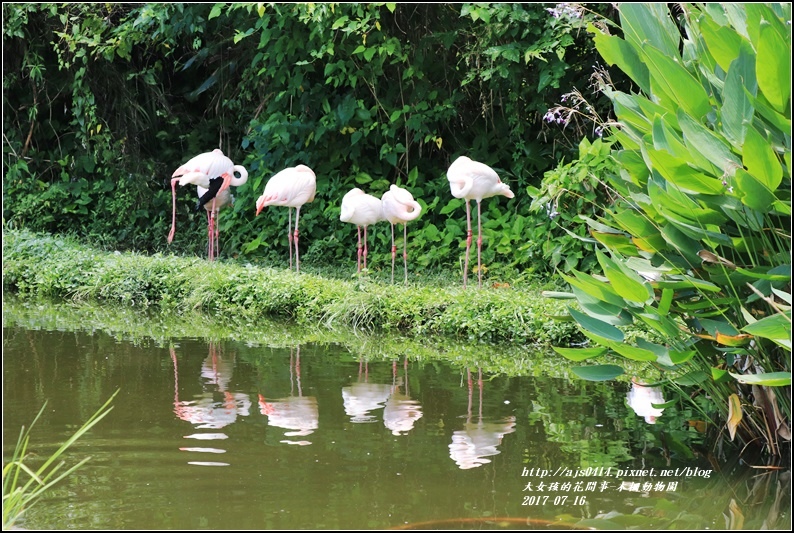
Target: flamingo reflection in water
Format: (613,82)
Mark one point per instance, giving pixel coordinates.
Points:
(204,411)
(299,414)
(641,398)
(400,412)
(362,396)
(478,440)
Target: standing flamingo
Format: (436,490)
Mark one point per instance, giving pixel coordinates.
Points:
(474,181)
(222,200)
(203,171)
(361,209)
(291,187)
(399,206)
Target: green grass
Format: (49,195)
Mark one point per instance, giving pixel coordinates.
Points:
(23,485)
(41,265)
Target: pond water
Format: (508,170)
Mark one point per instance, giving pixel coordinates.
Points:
(226,434)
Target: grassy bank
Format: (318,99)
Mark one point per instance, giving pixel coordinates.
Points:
(37,265)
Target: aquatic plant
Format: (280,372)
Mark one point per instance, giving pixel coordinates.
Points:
(697,243)
(23,485)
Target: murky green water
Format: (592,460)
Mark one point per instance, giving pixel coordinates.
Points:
(239,435)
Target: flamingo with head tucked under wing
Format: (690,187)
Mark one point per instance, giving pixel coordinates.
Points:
(399,206)
(472,180)
(292,187)
(212,171)
(362,210)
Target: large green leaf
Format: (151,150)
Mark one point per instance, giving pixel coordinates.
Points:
(737,107)
(616,51)
(682,243)
(625,282)
(597,327)
(645,234)
(579,354)
(665,138)
(773,68)
(632,161)
(723,42)
(761,161)
(679,173)
(709,234)
(677,82)
(718,326)
(598,289)
(616,241)
(737,17)
(672,200)
(629,114)
(633,352)
(703,141)
(692,378)
(598,372)
(775,327)
(779,120)
(754,194)
(768,379)
(650,23)
(611,314)
(681,357)
(661,323)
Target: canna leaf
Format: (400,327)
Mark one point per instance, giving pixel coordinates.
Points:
(769,379)
(597,327)
(625,282)
(598,372)
(774,72)
(579,354)
(761,161)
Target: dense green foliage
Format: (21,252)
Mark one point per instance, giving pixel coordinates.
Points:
(697,244)
(103,101)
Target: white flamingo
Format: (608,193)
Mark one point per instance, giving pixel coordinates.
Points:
(203,171)
(362,210)
(222,200)
(472,180)
(292,187)
(399,207)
